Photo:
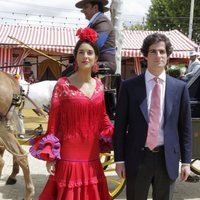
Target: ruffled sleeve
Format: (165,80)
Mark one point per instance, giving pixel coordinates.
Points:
(54,114)
(106,134)
(47,147)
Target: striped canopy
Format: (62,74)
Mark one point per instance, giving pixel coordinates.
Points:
(62,40)
(133,40)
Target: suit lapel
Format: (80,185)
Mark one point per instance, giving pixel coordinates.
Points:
(170,94)
(143,107)
(142,96)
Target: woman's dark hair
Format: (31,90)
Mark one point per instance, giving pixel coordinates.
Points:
(78,44)
(155,38)
(95,67)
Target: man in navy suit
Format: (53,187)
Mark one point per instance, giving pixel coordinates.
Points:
(140,165)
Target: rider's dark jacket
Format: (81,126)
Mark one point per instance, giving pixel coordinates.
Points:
(106,40)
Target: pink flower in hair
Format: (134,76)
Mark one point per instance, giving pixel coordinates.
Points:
(87,34)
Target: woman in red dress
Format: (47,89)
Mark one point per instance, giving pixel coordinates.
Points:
(77,121)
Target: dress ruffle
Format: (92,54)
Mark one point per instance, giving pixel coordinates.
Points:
(77,176)
(76,173)
(45,147)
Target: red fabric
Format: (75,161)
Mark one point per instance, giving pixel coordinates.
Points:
(46,153)
(87,34)
(46,147)
(77,121)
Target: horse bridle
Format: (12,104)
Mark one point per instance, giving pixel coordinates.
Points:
(17,101)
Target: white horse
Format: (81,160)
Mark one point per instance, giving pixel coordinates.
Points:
(39,93)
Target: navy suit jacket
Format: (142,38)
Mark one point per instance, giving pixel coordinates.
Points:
(131,125)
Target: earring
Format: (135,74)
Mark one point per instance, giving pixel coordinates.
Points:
(95,67)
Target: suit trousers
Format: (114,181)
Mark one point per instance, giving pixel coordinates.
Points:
(152,172)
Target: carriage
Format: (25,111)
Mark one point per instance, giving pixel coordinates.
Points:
(194,92)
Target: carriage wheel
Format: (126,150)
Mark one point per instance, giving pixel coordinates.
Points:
(115,184)
(195,166)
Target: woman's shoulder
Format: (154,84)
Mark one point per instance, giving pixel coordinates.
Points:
(98,82)
(62,80)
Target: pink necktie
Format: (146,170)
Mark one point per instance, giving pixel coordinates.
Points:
(154,116)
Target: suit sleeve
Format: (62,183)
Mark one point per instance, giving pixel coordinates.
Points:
(185,128)
(121,124)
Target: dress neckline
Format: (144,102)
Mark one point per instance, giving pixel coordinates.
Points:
(89,97)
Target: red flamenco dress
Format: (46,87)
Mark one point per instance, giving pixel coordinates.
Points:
(76,123)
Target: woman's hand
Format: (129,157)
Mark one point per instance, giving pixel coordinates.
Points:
(50,166)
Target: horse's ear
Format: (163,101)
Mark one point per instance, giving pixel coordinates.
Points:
(17,76)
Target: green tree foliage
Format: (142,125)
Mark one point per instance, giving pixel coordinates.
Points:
(137,26)
(174,14)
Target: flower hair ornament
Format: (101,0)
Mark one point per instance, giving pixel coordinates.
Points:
(87,34)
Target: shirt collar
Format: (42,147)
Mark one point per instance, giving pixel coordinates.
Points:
(94,17)
(149,76)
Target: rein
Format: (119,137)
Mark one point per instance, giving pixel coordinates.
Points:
(14,154)
(28,89)
(34,104)
(37,108)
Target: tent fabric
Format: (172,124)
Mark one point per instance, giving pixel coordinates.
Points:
(133,40)
(62,40)
(6,59)
(52,39)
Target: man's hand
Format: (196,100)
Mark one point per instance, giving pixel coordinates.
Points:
(120,170)
(185,172)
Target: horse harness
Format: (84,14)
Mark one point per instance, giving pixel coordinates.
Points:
(18,101)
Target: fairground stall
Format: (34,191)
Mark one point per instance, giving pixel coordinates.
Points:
(29,48)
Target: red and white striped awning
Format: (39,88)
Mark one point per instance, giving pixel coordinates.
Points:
(52,39)
(133,40)
(62,40)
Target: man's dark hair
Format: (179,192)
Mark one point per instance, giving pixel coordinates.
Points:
(100,5)
(155,38)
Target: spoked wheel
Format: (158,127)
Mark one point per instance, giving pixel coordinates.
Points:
(115,184)
(195,166)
